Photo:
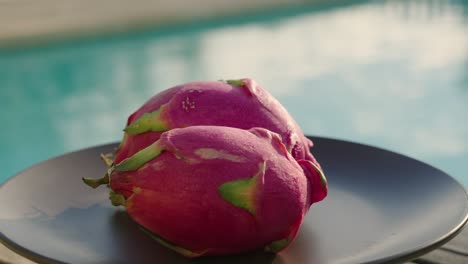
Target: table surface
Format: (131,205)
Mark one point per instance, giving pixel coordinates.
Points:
(392,74)
(454,252)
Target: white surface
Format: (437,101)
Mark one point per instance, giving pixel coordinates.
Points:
(42,20)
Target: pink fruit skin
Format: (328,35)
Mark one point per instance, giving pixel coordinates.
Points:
(177,194)
(219,104)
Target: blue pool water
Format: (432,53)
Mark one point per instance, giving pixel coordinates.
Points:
(392,74)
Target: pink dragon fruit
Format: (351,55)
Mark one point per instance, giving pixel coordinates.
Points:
(235,103)
(213,168)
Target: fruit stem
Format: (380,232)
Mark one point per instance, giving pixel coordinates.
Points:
(94,183)
(107,159)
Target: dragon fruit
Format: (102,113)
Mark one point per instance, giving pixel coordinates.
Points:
(215,168)
(235,103)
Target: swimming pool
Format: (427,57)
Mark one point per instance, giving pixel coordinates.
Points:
(392,74)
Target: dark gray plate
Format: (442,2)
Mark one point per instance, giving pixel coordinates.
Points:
(382,207)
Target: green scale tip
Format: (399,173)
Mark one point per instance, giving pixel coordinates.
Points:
(241,193)
(148,122)
(140,158)
(235,82)
(172,246)
(277,245)
(117,199)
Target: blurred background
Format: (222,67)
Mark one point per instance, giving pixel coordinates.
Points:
(389,73)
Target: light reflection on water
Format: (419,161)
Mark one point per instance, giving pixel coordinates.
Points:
(390,73)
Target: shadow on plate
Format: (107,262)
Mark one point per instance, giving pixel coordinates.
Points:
(134,244)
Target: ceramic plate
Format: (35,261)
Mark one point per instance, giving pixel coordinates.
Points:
(382,207)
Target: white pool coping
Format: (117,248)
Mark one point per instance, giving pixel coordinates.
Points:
(30,21)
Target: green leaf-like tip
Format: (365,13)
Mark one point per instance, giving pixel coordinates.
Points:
(236,82)
(94,183)
(323,179)
(117,199)
(241,193)
(277,245)
(140,158)
(183,251)
(148,122)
